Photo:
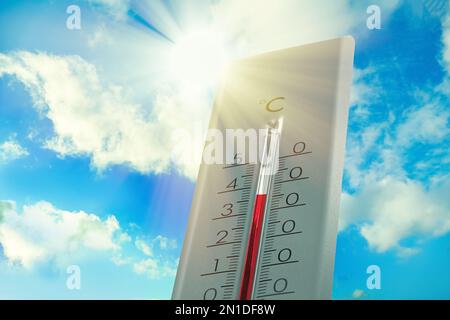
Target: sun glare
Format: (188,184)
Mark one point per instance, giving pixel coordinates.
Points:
(198,58)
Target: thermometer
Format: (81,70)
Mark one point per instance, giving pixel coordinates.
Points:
(266,228)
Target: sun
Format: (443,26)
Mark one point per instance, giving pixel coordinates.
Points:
(198,58)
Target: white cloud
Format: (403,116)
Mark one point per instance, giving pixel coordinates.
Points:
(99,36)
(10,150)
(165,243)
(41,232)
(358,294)
(365,90)
(101,121)
(144,247)
(391,209)
(155,264)
(446,41)
(405,252)
(121,260)
(154,268)
(159,242)
(384,148)
(358,146)
(362,91)
(445,59)
(427,124)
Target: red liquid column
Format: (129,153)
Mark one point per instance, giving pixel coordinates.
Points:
(268,163)
(251,256)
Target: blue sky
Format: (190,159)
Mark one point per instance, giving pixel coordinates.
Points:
(87,122)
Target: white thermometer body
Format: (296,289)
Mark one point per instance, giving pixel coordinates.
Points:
(267,230)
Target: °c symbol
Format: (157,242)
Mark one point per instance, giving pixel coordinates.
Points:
(271,108)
